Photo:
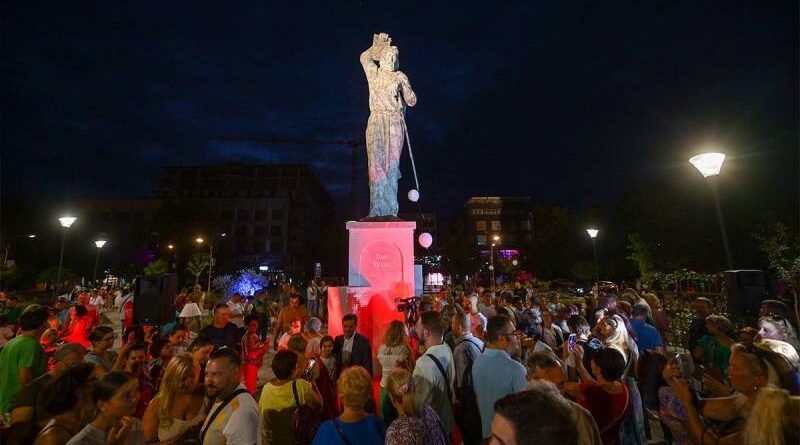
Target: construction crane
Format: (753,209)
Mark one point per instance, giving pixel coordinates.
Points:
(354,145)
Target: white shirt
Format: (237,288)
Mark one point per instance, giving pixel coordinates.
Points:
(237,313)
(431,386)
(347,349)
(237,424)
(311,293)
(477,320)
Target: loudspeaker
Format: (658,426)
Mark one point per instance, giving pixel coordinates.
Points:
(746,290)
(154,299)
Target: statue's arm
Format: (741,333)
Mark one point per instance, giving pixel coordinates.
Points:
(368,62)
(409,96)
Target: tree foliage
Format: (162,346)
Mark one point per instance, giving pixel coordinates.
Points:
(198,264)
(640,253)
(157,267)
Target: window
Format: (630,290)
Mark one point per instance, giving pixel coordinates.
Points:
(259,231)
(480,226)
(242,215)
(261,215)
(241,230)
(496,225)
(277,214)
(276,230)
(481,240)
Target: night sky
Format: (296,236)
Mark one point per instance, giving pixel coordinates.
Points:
(574,103)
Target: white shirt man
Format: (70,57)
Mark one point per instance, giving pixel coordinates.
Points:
(237,310)
(430,383)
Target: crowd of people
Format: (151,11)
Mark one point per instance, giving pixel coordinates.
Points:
(479,365)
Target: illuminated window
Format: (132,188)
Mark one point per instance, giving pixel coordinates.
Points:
(496,225)
(480,226)
(481,240)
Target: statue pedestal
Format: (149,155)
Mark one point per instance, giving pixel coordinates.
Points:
(381,268)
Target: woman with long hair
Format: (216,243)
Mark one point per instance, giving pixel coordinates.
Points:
(180,404)
(67,400)
(326,359)
(393,351)
(102,338)
(417,423)
(714,349)
(115,397)
(612,332)
(751,369)
(775,327)
(253,350)
(775,419)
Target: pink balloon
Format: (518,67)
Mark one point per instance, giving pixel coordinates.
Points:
(425,240)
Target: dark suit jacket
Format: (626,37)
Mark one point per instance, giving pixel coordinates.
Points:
(361,354)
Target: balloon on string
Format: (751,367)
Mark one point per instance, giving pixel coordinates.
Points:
(413,195)
(425,240)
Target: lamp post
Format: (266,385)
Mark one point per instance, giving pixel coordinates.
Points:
(66,222)
(709,165)
(495,240)
(592,235)
(5,253)
(200,240)
(99,243)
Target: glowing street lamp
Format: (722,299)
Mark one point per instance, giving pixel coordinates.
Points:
(709,165)
(593,234)
(99,244)
(200,240)
(496,239)
(66,222)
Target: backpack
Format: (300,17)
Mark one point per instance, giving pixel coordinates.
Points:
(305,420)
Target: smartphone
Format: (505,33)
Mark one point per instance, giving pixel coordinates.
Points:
(311,363)
(571,341)
(679,361)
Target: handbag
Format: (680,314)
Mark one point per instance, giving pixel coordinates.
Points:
(305,420)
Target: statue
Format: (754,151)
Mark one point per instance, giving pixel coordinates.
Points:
(389,93)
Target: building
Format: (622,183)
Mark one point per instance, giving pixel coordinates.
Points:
(256,215)
(508,218)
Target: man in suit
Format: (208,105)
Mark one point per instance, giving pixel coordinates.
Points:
(352,348)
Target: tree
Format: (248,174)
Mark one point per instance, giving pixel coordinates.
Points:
(553,247)
(783,256)
(157,267)
(639,253)
(198,264)
(460,256)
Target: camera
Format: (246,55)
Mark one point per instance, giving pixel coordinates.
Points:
(409,306)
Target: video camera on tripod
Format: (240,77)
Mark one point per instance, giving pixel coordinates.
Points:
(410,307)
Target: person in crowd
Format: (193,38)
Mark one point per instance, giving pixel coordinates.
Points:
(606,397)
(287,316)
(12,311)
(26,407)
(494,373)
(296,328)
(311,298)
(465,408)
(93,313)
(221,331)
(775,419)
(354,425)
(580,328)
(588,433)
(393,353)
(352,348)
(180,300)
(785,349)
(236,306)
(563,315)
(115,398)
(624,308)
(477,319)
(53,322)
(313,336)
(253,350)
(612,332)
(101,353)
(6,333)
(132,359)
(434,370)
(180,405)
(671,412)
(126,313)
(67,403)
(327,360)
(281,396)
(315,373)
(775,327)
(661,319)
(261,310)
(486,306)
(79,327)
(417,424)
(200,349)
(551,334)
(703,307)
(532,418)
(192,311)
(713,350)
(234,418)
(160,353)
(778,309)
(546,366)
(647,336)
(751,369)
(23,359)
(177,338)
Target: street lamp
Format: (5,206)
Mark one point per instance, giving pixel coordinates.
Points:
(200,240)
(709,165)
(496,239)
(593,234)
(66,223)
(7,248)
(99,243)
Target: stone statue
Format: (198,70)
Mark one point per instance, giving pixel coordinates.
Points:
(389,93)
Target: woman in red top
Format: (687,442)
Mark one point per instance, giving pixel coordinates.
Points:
(606,397)
(79,328)
(253,350)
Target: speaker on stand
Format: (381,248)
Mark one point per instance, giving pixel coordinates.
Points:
(154,299)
